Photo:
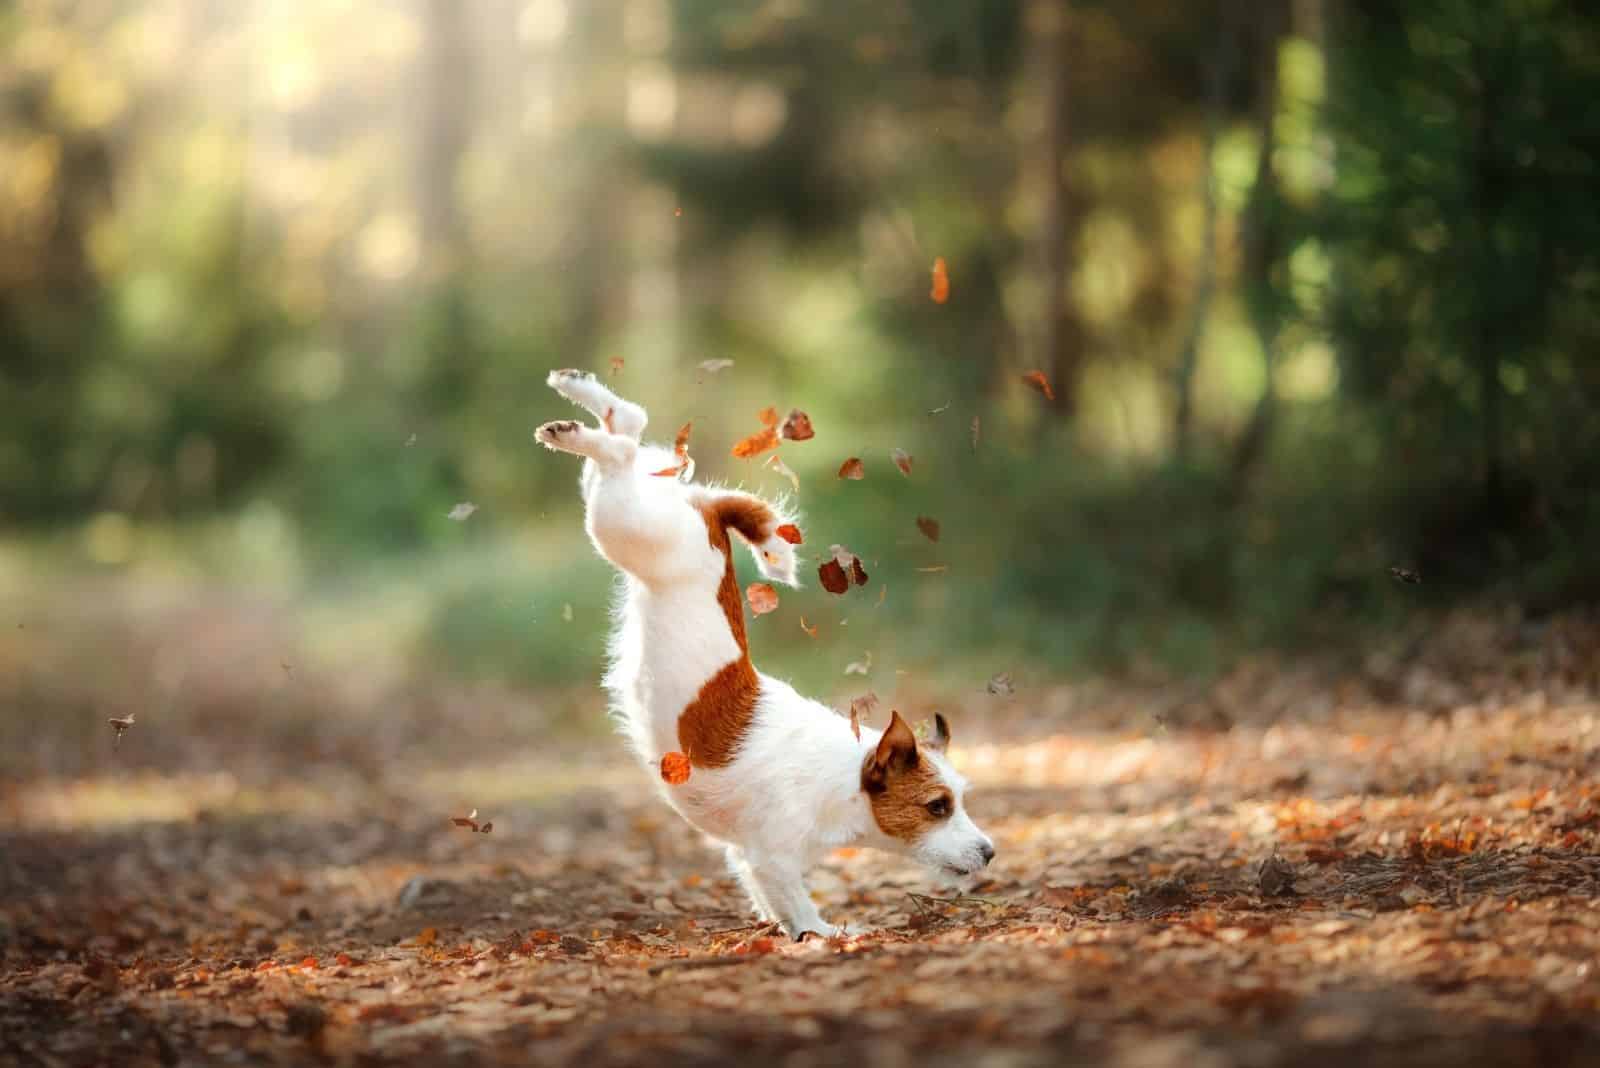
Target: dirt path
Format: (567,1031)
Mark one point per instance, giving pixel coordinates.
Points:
(1435,899)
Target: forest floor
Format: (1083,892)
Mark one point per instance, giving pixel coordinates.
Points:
(1391,863)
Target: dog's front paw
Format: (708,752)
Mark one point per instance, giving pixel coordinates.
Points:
(569,381)
(557,434)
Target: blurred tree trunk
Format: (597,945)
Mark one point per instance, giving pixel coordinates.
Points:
(1486,196)
(1047,24)
(1261,235)
(1218,71)
(446,119)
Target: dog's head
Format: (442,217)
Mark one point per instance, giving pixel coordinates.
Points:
(917,800)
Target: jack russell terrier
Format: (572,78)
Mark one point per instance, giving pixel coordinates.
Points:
(779,779)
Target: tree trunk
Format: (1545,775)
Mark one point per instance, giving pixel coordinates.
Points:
(1218,71)
(1047,21)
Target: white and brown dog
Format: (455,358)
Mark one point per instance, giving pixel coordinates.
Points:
(777,777)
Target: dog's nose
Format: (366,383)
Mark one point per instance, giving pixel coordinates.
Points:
(988,853)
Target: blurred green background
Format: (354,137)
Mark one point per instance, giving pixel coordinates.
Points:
(1316,284)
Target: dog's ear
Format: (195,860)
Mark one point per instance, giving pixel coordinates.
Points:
(897,751)
(941,734)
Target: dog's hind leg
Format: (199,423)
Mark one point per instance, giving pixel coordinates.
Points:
(747,879)
(589,393)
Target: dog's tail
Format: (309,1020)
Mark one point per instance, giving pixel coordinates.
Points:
(771,533)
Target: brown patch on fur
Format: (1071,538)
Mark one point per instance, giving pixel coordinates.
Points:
(715,722)
(899,782)
(712,726)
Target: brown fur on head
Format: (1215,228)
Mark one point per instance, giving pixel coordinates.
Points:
(908,796)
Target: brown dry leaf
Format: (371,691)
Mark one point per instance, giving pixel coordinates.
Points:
(857,572)
(675,769)
(833,577)
(783,469)
(789,533)
(902,460)
(853,469)
(810,629)
(1405,574)
(1000,685)
(471,821)
(711,367)
(861,707)
(120,724)
(616,365)
(762,597)
(680,449)
(1038,381)
(941,282)
(929,527)
(426,937)
(860,667)
(797,427)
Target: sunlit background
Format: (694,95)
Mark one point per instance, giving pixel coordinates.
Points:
(1314,284)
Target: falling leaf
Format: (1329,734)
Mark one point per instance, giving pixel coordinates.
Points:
(944,408)
(762,597)
(616,365)
(680,449)
(1000,685)
(902,460)
(929,527)
(935,569)
(941,282)
(426,937)
(762,440)
(789,533)
(861,707)
(471,821)
(810,630)
(853,469)
(120,724)
(977,429)
(1038,381)
(711,367)
(412,440)
(677,213)
(883,591)
(566,613)
(797,426)
(463,511)
(675,769)
(860,667)
(836,574)
(783,469)
(1403,574)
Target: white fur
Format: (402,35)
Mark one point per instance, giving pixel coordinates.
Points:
(793,790)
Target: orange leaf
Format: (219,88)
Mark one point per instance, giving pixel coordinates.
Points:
(680,449)
(929,527)
(1038,381)
(853,469)
(675,769)
(902,460)
(762,597)
(768,416)
(757,443)
(833,578)
(797,427)
(789,533)
(941,282)
(812,630)
(616,364)
(309,963)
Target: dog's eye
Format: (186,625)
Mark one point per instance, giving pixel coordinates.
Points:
(939,808)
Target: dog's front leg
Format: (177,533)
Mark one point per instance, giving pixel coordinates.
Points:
(781,883)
